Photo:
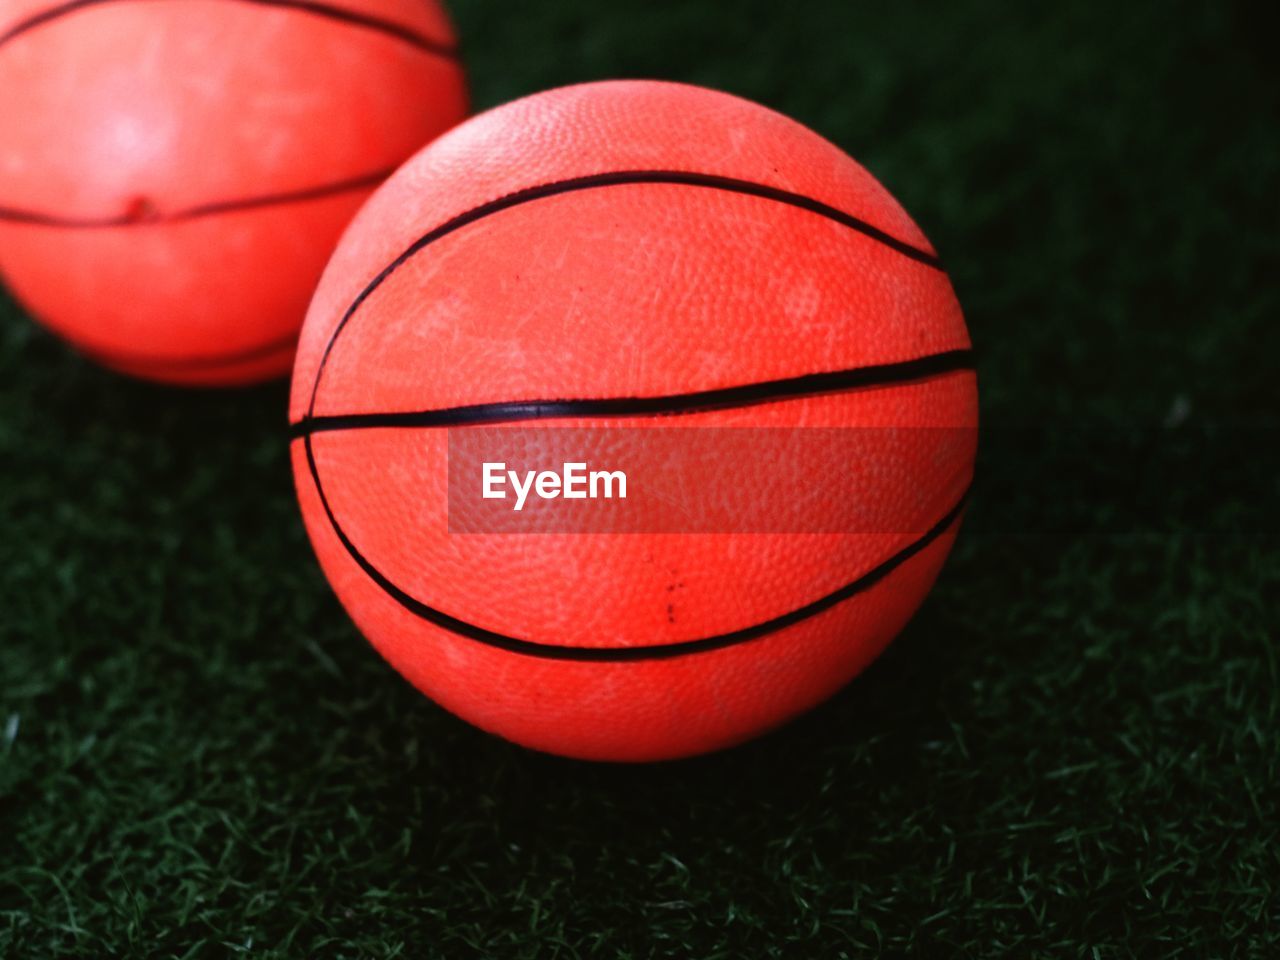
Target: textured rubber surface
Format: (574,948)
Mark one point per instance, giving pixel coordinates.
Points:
(176,174)
(444,295)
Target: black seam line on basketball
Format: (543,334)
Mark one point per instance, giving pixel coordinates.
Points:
(390,28)
(701,401)
(196,362)
(613,179)
(365,180)
(661,651)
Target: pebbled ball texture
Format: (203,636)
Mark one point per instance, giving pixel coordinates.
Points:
(174,176)
(443,294)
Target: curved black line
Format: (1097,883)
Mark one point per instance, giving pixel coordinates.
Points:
(390,28)
(659,651)
(144,217)
(617,178)
(768,391)
(194,362)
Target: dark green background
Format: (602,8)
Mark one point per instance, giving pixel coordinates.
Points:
(1071,751)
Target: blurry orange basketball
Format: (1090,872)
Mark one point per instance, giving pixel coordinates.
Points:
(622,257)
(173,176)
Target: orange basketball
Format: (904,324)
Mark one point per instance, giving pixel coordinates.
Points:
(173,176)
(621,257)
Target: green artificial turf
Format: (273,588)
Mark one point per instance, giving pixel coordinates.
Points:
(1072,750)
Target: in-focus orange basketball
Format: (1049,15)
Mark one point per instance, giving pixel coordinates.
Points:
(173,176)
(628,256)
